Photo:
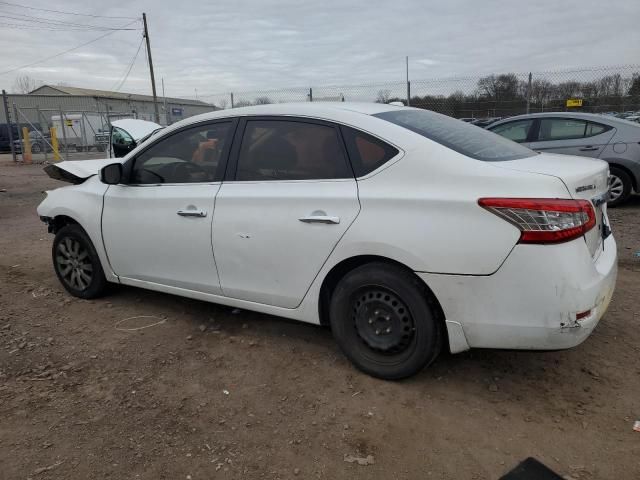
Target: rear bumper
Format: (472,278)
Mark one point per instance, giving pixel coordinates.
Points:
(532,300)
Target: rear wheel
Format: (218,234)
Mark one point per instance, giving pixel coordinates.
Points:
(76,263)
(36,148)
(383,320)
(619,186)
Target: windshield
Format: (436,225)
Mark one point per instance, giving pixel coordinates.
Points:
(148,135)
(469,140)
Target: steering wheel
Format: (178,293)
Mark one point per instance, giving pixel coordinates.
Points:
(187,171)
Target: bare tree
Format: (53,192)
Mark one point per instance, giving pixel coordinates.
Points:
(500,87)
(634,88)
(383,96)
(223,103)
(569,89)
(262,101)
(541,91)
(25,84)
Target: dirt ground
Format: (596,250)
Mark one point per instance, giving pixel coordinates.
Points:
(212,393)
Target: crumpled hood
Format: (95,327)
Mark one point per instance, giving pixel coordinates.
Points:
(77,171)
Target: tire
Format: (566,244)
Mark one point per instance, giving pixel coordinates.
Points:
(36,148)
(77,264)
(620,184)
(385,322)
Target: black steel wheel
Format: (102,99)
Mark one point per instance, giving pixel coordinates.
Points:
(76,263)
(384,320)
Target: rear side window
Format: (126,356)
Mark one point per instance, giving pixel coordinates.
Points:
(568,129)
(469,140)
(291,150)
(366,152)
(596,129)
(518,130)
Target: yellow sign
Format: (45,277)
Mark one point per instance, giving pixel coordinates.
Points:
(574,102)
(70,122)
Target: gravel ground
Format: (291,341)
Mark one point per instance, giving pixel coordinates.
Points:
(213,393)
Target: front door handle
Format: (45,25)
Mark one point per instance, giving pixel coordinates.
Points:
(192,213)
(588,148)
(320,219)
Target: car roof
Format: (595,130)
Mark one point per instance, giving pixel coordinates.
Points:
(332,110)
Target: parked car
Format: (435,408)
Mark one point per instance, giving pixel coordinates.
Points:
(40,142)
(589,135)
(483,122)
(407,231)
(5,144)
(127,133)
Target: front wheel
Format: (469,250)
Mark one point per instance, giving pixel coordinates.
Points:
(76,263)
(384,320)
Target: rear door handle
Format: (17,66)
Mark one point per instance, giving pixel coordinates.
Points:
(589,148)
(192,213)
(320,219)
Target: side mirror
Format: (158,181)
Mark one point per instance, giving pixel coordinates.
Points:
(111,174)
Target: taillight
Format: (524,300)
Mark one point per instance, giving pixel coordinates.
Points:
(544,220)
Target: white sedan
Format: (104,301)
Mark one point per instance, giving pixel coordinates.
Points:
(406,231)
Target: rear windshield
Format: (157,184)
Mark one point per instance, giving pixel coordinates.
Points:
(469,140)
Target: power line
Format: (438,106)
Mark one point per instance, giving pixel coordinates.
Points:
(23,26)
(65,13)
(58,27)
(61,53)
(53,22)
(120,84)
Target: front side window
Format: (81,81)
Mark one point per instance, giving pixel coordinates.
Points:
(290,150)
(121,137)
(189,156)
(469,140)
(518,131)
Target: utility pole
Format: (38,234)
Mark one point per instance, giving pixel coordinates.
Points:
(5,100)
(529,93)
(408,84)
(166,112)
(153,79)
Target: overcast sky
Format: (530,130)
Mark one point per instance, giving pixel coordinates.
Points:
(220,46)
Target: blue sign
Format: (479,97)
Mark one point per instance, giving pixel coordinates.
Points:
(176,111)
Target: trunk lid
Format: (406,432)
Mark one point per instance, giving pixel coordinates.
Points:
(585,178)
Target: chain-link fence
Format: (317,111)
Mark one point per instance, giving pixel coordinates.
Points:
(614,89)
(38,135)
